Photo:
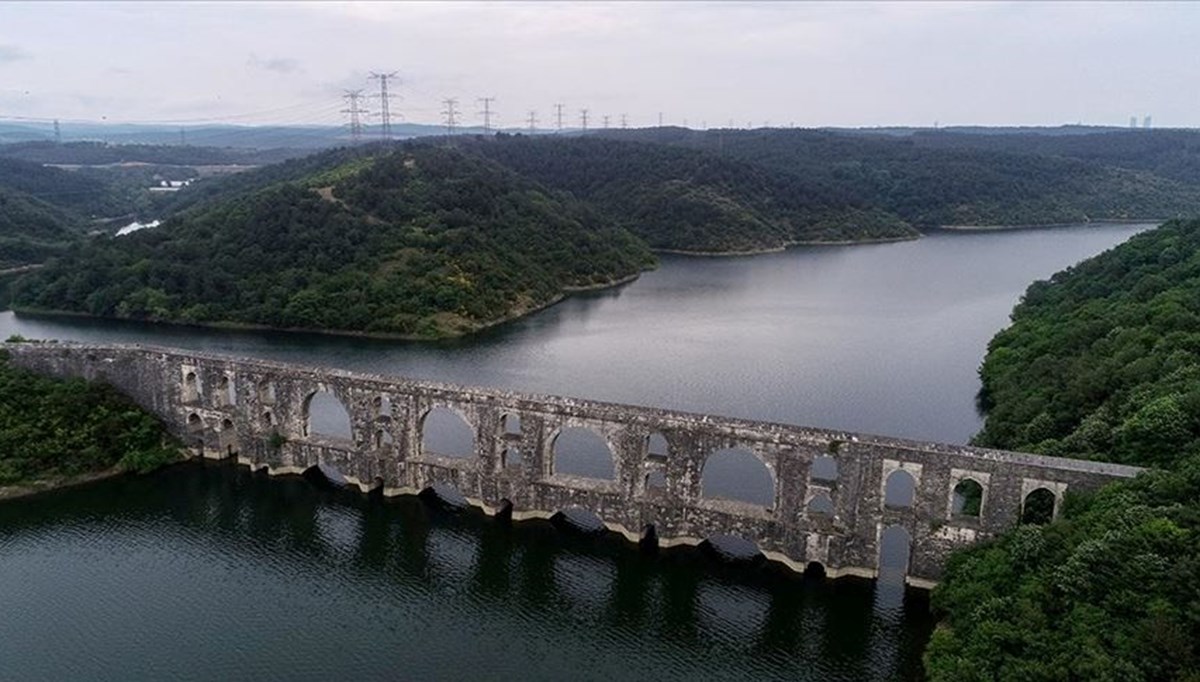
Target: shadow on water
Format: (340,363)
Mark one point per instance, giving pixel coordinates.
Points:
(369,586)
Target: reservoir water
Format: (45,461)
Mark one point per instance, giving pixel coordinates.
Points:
(210,572)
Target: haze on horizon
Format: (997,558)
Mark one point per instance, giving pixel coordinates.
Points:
(703,63)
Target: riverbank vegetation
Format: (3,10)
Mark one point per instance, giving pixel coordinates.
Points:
(1101,362)
(55,429)
(422,241)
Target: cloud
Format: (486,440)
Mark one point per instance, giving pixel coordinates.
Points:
(12,53)
(276,64)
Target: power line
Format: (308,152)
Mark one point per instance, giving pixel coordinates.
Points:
(660,119)
(558,109)
(583,115)
(487,114)
(385,114)
(451,114)
(352,97)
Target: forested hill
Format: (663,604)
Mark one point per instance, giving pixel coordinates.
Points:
(1172,154)
(688,200)
(421,241)
(1101,362)
(43,209)
(929,185)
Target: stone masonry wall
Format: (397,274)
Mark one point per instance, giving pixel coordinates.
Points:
(257,411)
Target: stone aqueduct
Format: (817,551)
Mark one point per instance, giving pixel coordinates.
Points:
(258,411)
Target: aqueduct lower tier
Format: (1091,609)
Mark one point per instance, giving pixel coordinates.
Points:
(831,501)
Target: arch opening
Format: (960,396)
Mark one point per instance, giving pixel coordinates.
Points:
(657,446)
(445,433)
(967,498)
(383,438)
(383,406)
(445,495)
(578,519)
(894,552)
(900,490)
(510,425)
(325,476)
(821,504)
(195,423)
(582,452)
(325,415)
(266,392)
(1038,507)
(814,569)
(730,547)
(267,418)
(737,474)
(191,388)
(226,395)
(824,468)
(228,438)
(510,457)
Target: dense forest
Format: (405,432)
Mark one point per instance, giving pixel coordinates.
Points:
(52,429)
(1103,360)
(687,200)
(931,186)
(422,241)
(1172,154)
(1100,362)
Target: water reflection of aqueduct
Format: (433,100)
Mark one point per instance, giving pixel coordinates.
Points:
(800,495)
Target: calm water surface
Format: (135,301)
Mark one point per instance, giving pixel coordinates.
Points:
(213,573)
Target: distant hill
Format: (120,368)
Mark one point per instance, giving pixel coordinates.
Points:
(1172,154)
(43,209)
(929,185)
(100,153)
(419,241)
(687,200)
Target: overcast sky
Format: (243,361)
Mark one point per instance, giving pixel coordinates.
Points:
(811,64)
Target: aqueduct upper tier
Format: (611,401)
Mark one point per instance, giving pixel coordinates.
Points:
(832,496)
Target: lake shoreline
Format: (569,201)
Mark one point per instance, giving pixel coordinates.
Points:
(382,336)
(785,247)
(39,486)
(1035,226)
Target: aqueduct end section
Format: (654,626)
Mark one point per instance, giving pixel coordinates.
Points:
(258,411)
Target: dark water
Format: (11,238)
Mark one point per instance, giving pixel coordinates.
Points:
(212,573)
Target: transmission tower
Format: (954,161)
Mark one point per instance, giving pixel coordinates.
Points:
(605,117)
(57,133)
(451,114)
(583,114)
(385,114)
(182,137)
(355,112)
(558,109)
(624,122)
(532,120)
(487,113)
(660,119)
